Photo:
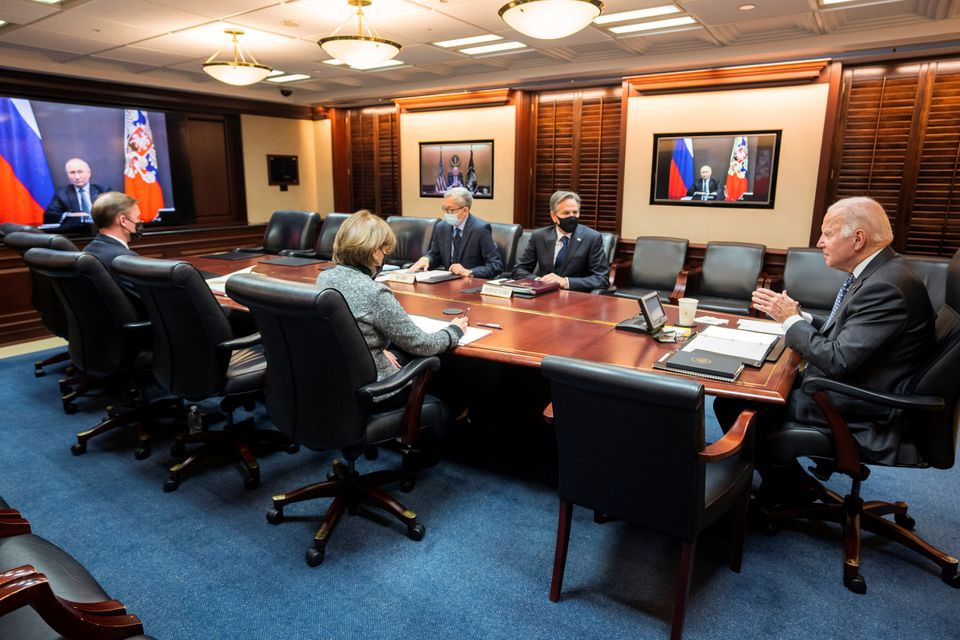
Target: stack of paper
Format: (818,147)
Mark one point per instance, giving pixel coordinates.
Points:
(750,346)
(431,325)
(219,285)
(761,326)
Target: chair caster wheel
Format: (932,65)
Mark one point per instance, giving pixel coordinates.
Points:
(251,483)
(38,372)
(856,584)
(69,408)
(905,521)
(951,577)
(314,557)
(293,447)
(178,449)
(416,532)
(170,484)
(274,516)
(141,453)
(78,448)
(407,486)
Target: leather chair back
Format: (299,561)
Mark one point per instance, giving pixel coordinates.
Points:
(627,444)
(657,262)
(507,237)
(413,238)
(6,228)
(731,269)
(809,280)
(316,359)
(328,233)
(935,434)
(933,272)
(610,241)
(95,306)
(291,230)
(43,295)
(187,324)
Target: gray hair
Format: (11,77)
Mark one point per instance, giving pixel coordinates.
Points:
(462,194)
(863,213)
(109,206)
(560,196)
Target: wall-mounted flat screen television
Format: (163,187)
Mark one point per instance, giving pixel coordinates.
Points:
(283,170)
(456,164)
(729,169)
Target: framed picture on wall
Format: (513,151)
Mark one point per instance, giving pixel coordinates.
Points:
(456,164)
(728,169)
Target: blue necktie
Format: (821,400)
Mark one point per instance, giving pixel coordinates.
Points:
(840,294)
(561,255)
(456,246)
(84,200)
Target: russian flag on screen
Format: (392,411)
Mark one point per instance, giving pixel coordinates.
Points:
(681,168)
(140,164)
(26,187)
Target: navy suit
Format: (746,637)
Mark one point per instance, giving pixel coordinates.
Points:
(478,251)
(65,200)
(107,248)
(713,188)
(585,264)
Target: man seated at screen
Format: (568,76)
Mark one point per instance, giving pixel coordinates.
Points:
(566,252)
(72,204)
(462,243)
(117,217)
(706,188)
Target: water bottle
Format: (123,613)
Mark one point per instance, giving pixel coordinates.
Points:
(194,420)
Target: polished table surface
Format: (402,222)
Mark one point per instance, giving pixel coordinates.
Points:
(564,323)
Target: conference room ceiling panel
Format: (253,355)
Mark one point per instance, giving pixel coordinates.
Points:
(878,16)
(217,9)
(25,11)
(140,13)
(36,37)
(96,28)
(140,55)
(712,12)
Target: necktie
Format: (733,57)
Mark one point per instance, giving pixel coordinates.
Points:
(456,246)
(561,255)
(840,294)
(84,200)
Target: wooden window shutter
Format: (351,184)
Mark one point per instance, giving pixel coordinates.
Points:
(374,162)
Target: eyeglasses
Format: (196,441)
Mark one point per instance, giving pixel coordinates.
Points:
(449,210)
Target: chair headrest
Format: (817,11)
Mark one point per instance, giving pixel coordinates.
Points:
(22,241)
(952,294)
(156,272)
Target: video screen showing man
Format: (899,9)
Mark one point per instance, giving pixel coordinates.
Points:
(71,204)
(706,188)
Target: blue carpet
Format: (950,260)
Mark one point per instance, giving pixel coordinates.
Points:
(203,562)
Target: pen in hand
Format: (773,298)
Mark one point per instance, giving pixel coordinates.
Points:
(489,325)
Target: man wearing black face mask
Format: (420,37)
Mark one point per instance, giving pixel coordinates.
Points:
(117,217)
(566,252)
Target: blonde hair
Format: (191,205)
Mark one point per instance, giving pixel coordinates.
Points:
(359,237)
(863,213)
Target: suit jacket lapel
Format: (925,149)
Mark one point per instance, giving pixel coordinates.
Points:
(467,230)
(573,248)
(885,254)
(546,251)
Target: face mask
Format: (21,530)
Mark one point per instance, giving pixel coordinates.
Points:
(451,219)
(568,224)
(137,232)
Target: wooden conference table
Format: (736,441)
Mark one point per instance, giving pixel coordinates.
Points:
(565,323)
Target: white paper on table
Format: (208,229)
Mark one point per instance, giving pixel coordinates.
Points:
(219,284)
(746,350)
(761,327)
(710,320)
(432,325)
(741,335)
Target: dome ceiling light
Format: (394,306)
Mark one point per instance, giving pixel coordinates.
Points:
(362,49)
(242,70)
(550,19)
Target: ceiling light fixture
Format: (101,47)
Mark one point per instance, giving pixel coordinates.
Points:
(491,48)
(462,42)
(637,14)
(360,49)
(655,24)
(550,19)
(293,77)
(240,71)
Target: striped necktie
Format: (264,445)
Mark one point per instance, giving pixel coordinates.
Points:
(840,294)
(561,255)
(456,245)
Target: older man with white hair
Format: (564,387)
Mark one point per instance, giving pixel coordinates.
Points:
(879,331)
(73,203)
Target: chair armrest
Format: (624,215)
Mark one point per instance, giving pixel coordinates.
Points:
(141,327)
(614,266)
(12,523)
(299,253)
(605,292)
(893,400)
(240,343)
(688,283)
(548,413)
(774,283)
(732,441)
(394,382)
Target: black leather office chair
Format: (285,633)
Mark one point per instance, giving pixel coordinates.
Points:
(196,356)
(413,239)
(630,445)
(610,241)
(933,272)
(328,233)
(657,265)
(43,295)
(506,237)
(106,340)
(809,281)
(927,418)
(293,230)
(320,391)
(522,246)
(731,271)
(6,228)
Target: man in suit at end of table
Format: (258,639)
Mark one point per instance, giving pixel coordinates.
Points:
(706,188)
(878,333)
(76,198)
(117,217)
(566,252)
(462,242)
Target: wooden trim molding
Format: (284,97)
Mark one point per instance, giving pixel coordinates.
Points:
(466,99)
(825,172)
(804,71)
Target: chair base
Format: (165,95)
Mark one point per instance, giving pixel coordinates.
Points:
(349,491)
(141,415)
(853,514)
(236,440)
(63,356)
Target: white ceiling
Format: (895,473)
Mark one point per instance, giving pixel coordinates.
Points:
(162,43)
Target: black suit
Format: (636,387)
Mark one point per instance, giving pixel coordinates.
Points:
(478,251)
(65,200)
(107,249)
(879,337)
(713,187)
(585,264)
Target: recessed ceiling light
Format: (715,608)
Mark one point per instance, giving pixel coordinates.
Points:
(293,77)
(393,62)
(275,72)
(48,1)
(490,48)
(636,15)
(825,2)
(656,24)
(333,61)
(2,22)
(460,42)
(747,7)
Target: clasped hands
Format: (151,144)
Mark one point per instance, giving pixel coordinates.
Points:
(552,277)
(778,306)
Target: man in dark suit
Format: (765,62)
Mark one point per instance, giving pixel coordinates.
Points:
(566,252)
(880,330)
(117,217)
(462,242)
(706,188)
(76,198)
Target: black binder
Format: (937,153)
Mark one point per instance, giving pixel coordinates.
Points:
(701,364)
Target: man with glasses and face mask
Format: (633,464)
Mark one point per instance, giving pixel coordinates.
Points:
(117,217)
(566,252)
(462,242)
